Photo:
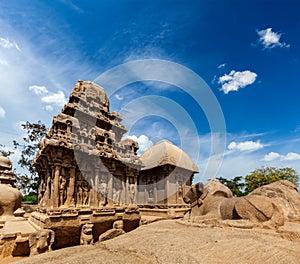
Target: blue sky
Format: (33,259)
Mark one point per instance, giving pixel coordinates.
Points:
(247,52)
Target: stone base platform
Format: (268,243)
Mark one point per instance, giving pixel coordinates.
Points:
(14,237)
(67,223)
(165,211)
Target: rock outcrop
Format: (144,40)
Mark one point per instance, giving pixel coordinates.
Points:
(285,194)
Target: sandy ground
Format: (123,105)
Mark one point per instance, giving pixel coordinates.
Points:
(171,242)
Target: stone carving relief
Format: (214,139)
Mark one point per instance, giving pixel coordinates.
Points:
(86,237)
(41,241)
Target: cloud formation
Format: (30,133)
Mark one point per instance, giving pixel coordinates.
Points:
(7,44)
(38,90)
(3,62)
(236,80)
(51,99)
(291,156)
(275,156)
(58,98)
(271,156)
(245,146)
(143,141)
(270,39)
(2,112)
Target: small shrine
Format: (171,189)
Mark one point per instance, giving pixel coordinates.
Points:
(166,176)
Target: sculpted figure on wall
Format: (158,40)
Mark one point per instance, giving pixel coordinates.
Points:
(86,189)
(117,191)
(103,191)
(62,190)
(132,193)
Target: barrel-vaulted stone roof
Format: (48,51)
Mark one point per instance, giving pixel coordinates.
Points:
(166,153)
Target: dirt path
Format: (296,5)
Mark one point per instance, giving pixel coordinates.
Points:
(171,242)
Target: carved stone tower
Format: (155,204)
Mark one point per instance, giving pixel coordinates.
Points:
(84,166)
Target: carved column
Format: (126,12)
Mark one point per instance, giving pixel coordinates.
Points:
(126,190)
(167,187)
(177,191)
(55,191)
(110,189)
(135,190)
(47,194)
(155,190)
(71,188)
(96,187)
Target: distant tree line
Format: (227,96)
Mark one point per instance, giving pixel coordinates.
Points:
(265,175)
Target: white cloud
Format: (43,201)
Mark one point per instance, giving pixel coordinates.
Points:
(236,80)
(55,98)
(291,156)
(271,156)
(7,44)
(3,62)
(2,112)
(143,141)
(38,90)
(50,99)
(222,65)
(245,146)
(49,108)
(270,39)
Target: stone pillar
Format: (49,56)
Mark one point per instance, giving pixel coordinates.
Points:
(47,195)
(96,187)
(71,188)
(55,191)
(167,187)
(126,190)
(110,189)
(177,192)
(155,191)
(135,190)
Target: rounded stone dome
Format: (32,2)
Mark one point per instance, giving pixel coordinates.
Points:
(5,163)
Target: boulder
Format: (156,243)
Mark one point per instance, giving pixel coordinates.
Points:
(283,193)
(112,233)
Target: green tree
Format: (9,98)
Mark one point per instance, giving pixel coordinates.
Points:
(28,182)
(236,185)
(4,152)
(266,175)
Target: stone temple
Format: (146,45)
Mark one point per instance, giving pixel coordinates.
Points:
(89,174)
